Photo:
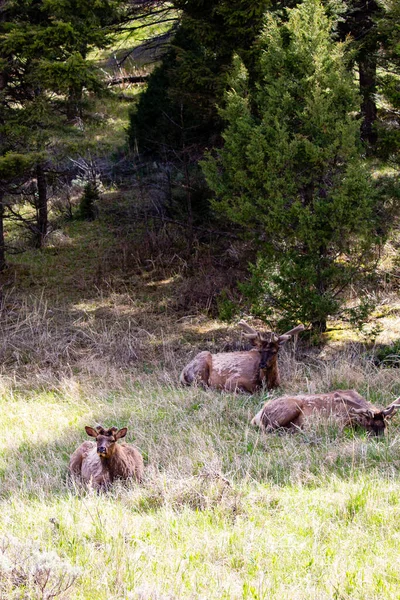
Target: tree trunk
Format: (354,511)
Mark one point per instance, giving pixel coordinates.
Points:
(189,207)
(74,102)
(128,79)
(2,245)
(367,70)
(320,325)
(320,322)
(41,207)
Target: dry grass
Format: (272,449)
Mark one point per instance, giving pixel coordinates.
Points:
(225,512)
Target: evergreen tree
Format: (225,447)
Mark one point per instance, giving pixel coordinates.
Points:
(290,170)
(87,205)
(183,91)
(43,72)
(389,83)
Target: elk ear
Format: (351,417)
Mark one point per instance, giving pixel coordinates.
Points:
(91,432)
(121,433)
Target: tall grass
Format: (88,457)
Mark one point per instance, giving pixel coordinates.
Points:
(224,511)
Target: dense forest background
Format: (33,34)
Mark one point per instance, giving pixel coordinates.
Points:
(262,138)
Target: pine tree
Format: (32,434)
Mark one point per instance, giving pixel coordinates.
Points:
(290,170)
(184,90)
(43,72)
(389,82)
(87,204)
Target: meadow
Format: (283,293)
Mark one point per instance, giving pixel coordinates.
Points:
(225,511)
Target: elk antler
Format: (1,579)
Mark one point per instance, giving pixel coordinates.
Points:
(288,334)
(353,406)
(391,408)
(361,411)
(252,334)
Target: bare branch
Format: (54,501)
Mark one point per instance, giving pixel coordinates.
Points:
(128,79)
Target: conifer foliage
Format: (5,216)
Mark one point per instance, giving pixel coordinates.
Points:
(290,169)
(389,80)
(45,78)
(179,106)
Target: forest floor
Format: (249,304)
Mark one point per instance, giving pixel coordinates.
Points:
(91,332)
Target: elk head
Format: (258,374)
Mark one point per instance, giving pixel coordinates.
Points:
(106,439)
(374,421)
(268,343)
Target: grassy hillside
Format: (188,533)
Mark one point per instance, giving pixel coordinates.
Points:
(96,327)
(91,332)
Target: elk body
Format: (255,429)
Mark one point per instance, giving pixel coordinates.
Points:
(103,461)
(245,371)
(345,406)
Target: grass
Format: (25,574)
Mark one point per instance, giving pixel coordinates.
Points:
(224,512)
(89,334)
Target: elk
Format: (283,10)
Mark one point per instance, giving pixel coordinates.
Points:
(245,371)
(103,461)
(347,407)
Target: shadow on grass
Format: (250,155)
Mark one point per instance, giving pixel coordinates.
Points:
(102,307)
(196,454)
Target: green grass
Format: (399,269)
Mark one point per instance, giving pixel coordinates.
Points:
(224,511)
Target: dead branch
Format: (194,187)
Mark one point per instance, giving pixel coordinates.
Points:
(128,79)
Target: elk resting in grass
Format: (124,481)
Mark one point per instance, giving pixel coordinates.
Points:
(245,371)
(347,407)
(103,461)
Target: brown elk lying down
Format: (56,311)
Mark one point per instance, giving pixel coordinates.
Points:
(345,406)
(103,461)
(246,371)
